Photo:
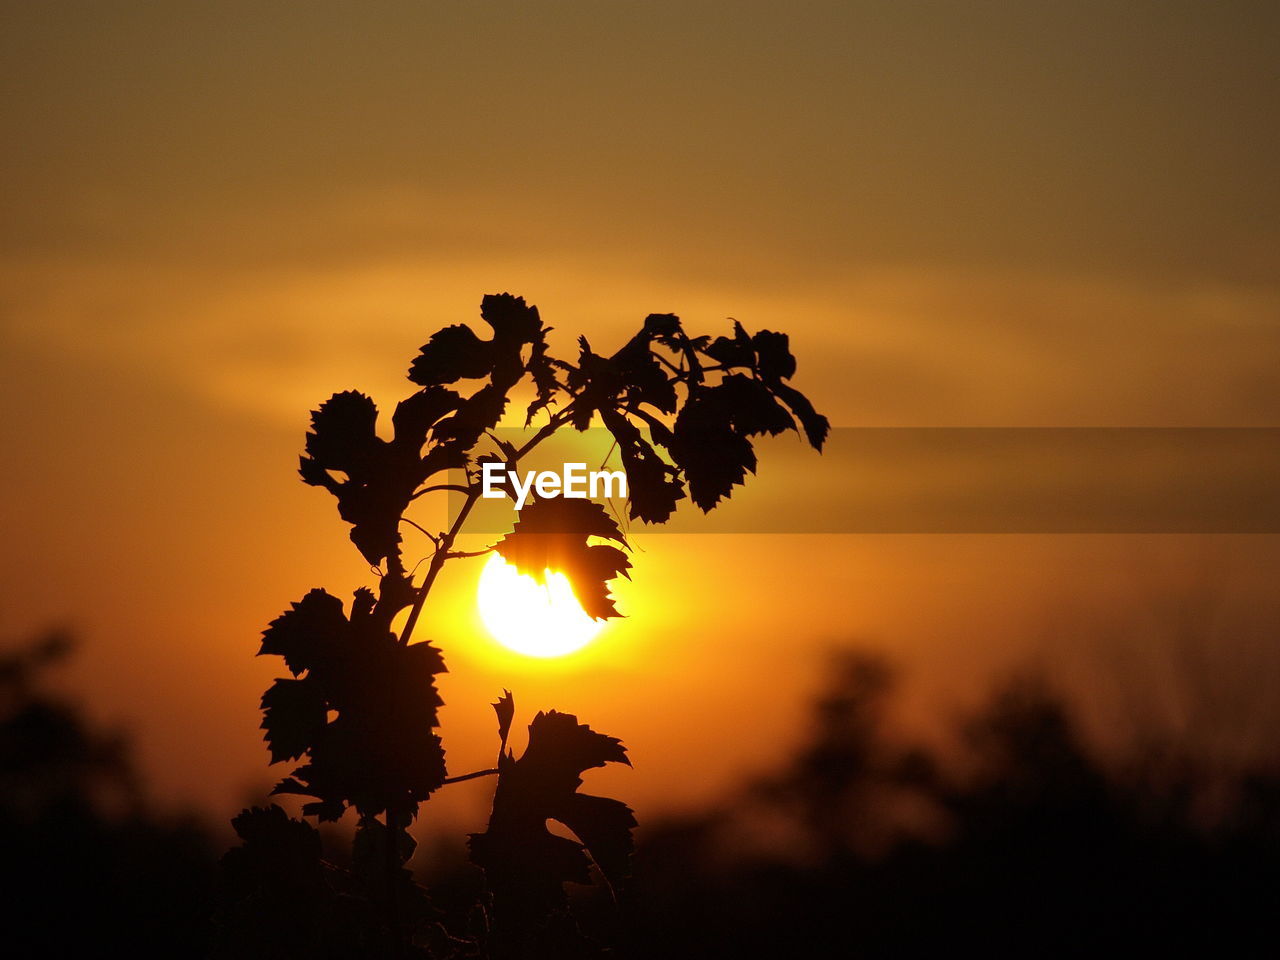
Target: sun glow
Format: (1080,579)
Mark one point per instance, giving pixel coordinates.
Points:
(538,620)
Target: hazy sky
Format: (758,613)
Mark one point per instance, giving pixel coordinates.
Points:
(214,215)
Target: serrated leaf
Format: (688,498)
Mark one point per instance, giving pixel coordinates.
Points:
(479,412)
(271,825)
(380,751)
(505,708)
(275,868)
(653,485)
(343,435)
(525,865)
(418,413)
(643,380)
(737,351)
(749,406)
(773,352)
(380,476)
(293,715)
(551,535)
(660,325)
(308,634)
(596,382)
(511,318)
(816,426)
(543,372)
(452,354)
(712,454)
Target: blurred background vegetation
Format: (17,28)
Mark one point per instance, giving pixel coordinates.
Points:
(1017,834)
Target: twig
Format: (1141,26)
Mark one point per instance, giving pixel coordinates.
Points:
(446,541)
(456,488)
(463,554)
(430,536)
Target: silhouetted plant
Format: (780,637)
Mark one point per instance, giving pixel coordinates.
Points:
(360,707)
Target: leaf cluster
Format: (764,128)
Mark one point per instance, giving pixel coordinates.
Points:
(279,897)
(359,708)
(701,401)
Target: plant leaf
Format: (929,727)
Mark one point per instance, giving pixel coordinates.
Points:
(479,412)
(736,352)
(452,354)
(749,405)
(525,865)
(551,535)
(543,371)
(773,352)
(293,715)
(418,413)
(653,485)
(816,426)
(308,634)
(512,320)
(713,455)
(380,476)
(505,708)
(380,752)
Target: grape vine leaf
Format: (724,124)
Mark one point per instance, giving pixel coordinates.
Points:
(379,751)
(551,535)
(542,370)
(710,439)
(505,708)
(653,485)
(452,354)
(379,476)
(525,865)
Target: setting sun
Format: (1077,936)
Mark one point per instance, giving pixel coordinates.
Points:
(538,620)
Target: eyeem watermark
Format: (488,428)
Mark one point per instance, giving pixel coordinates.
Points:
(574,482)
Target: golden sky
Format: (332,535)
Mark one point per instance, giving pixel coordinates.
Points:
(213,216)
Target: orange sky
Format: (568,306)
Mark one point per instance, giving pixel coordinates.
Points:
(964,214)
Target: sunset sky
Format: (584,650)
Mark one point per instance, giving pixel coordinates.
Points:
(964,214)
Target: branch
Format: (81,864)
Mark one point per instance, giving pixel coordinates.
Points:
(668,364)
(446,540)
(430,536)
(437,561)
(469,776)
(456,488)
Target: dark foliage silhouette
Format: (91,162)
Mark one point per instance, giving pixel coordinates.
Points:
(359,709)
(1023,843)
(525,865)
(86,865)
(1020,842)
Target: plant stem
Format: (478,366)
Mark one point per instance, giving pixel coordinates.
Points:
(437,562)
(464,554)
(446,542)
(470,776)
(392,864)
(455,487)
